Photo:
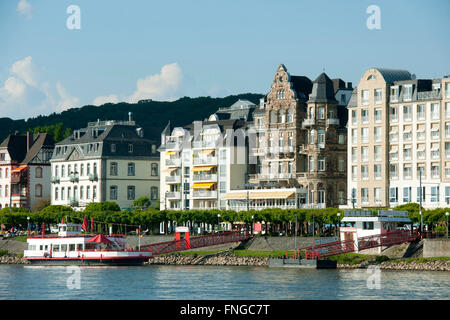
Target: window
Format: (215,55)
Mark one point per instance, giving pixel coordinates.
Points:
(447,89)
(377,153)
(447,192)
(88,192)
(365,97)
(321,138)
(393,194)
(407,113)
(63,171)
(365,195)
(81,192)
(377,115)
(377,134)
(130,148)
(435,194)
(280,167)
(273,116)
(321,163)
(447,110)
(280,140)
(420,112)
(341,163)
(113,169)
(393,171)
(365,154)
(290,116)
(154,169)
(131,169)
(113,192)
(394,94)
(281,116)
(56,193)
(354,136)
(364,135)
(368,225)
(113,147)
(365,172)
(130,192)
(354,117)
(434,111)
(377,171)
(365,115)
(63,193)
(393,114)
(94,192)
(377,195)
(88,169)
(321,112)
(420,193)
(407,194)
(407,152)
(38,191)
(341,139)
(407,172)
(290,166)
(154,193)
(354,154)
(435,170)
(82,169)
(378,96)
(311,163)
(95,168)
(354,173)
(38,172)
(407,94)
(420,171)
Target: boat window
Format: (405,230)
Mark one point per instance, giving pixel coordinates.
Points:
(79,246)
(41,247)
(56,247)
(71,247)
(46,247)
(32,247)
(64,247)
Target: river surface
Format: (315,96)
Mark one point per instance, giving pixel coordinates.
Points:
(157,282)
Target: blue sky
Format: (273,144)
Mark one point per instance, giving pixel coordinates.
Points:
(129,50)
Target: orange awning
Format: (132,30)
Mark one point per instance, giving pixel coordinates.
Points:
(208,151)
(171,152)
(203,185)
(19,169)
(202,168)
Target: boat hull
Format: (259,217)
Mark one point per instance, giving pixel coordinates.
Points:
(87,262)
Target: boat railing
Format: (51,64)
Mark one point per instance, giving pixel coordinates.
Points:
(85,235)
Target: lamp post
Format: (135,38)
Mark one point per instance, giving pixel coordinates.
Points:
(446,214)
(218,221)
(339,221)
(252,224)
(28,225)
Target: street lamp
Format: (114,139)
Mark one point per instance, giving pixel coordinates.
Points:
(218,221)
(252,224)
(28,225)
(339,221)
(446,214)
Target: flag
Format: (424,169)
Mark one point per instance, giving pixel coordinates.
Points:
(92,224)
(85,225)
(43,229)
(62,221)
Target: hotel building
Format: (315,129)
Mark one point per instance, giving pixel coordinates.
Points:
(107,161)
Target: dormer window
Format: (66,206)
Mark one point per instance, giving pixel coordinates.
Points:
(130,148)
(113,147)
(371,77)
(407,95)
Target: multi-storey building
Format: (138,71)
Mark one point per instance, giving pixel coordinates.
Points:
(301,143)
(25,169)
(397,134)
(204,160)
(107,161)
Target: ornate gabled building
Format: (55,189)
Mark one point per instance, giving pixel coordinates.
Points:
(25,169)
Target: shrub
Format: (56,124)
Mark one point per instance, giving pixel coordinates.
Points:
(101,206)
(3,252)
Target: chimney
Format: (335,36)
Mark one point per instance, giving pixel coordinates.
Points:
(349,85)
(29,141)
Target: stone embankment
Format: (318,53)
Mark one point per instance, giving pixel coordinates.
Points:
(434,265)
(216,259)
(12,259)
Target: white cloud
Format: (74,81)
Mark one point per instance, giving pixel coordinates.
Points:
(162,86)
(24,96)
(66,100)
(24,8)
(112,98)
(25,70)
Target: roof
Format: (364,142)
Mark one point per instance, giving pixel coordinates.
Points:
(322,89)
(301,85)
(391,75)
(17,146)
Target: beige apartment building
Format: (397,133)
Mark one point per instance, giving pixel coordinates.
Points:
(397,135)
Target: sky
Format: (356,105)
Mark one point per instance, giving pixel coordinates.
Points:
(53,58)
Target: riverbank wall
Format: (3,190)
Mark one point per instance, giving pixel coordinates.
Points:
(436,248)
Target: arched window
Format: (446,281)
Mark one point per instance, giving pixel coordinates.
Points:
(281,116)
(38,172)
(290,116)
(154,169)
(38,191)
(154,193)
(131,170)
(273,116)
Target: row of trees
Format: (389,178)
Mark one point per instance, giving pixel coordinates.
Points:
(280,220)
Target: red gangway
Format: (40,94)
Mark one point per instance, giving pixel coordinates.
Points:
(195,242)
(337,247)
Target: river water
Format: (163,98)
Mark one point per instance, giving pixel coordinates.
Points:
(217,283)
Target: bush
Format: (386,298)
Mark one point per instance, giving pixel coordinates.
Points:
(101,206)
(3,252)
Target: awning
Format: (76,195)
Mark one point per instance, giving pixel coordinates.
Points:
(408,146)
(202,168)
(19,169)
(100,238)
(203,185)
(435,147)
(394,149)
(393,129)
(407,130)
(208,151)
(171,152)
(270,194)
(421,147)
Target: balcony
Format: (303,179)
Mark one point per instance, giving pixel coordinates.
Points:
(333,121)
(173,179)
(173,162)
(73,202)
(173,195)
(205,161)
(259,151)
(275,176)
(93,177)
(54,179)
(308,122)
(172,145)
(204,177)
(204,194)
(73,177)
(19,178)
(204,144)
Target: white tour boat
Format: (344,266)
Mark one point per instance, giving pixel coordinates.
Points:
(70,246)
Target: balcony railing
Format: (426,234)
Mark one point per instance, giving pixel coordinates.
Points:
(173,179)
(204,194)
(173,195)
(333,121)
(73,202)
(93,176)
(173,145)
(204,177)
(204,144)
(173,162)
(308,122)
(206,160)
(73,178)
(54,179)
